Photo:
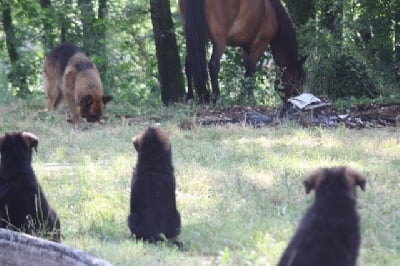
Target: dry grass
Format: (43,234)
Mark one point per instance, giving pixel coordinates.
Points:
(239,189)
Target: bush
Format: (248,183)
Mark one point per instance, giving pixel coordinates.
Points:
(340,76)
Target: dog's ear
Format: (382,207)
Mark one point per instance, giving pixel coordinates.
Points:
(163,137)
(107,98)
(31,140)
(313,180)
(137,141)
(355,178)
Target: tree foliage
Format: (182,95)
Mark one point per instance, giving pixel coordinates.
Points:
(117,36)
(346,40)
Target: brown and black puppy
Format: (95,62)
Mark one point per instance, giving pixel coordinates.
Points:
(69,74)
(329,233)
(153,214)
(23,205)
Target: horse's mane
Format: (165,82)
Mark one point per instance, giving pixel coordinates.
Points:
(286,36)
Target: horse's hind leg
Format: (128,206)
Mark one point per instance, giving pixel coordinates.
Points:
(214,66)
(188,73)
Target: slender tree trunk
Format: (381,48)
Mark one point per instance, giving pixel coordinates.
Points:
(101,37)
(397,44)
(65,23)
(9,31)
(332,16)
(48,22)
(169,66)
(88,20)
(17,74)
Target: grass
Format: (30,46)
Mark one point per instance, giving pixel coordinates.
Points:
(239,189)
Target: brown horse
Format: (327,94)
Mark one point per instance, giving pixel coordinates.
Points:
(249,24)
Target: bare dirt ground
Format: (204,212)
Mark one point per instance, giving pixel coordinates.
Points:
(360,116)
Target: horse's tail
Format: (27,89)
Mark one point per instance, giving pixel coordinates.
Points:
(196,32)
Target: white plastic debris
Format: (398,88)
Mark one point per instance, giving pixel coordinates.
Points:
(303,100)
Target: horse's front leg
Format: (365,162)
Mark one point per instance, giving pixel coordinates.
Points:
(249,77)
(214,66)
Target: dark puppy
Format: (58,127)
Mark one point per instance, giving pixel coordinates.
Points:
(153,214)
(329,233)
(23,206)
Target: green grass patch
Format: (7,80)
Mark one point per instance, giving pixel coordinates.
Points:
(239,189)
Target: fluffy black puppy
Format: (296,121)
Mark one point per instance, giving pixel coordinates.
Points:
(153,214)
(329,233)
(23,205)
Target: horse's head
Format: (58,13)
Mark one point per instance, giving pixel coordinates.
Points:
(292,79)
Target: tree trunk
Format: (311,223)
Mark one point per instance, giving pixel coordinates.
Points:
(17,75)
(332,16)
(101,38)
(48,22)
(169,66)
(88,18)
(397,41)
(65,22)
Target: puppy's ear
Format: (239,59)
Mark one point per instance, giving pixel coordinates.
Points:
(31,140)
(163,137)
(137,141)
(313,180)
(107,98)
(355,178)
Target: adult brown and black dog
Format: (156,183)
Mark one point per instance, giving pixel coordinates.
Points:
(23,205)
(329,233)
(153,214)
(69,74)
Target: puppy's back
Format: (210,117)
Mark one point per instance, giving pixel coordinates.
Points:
(329,232)
(23,205)
(153,202)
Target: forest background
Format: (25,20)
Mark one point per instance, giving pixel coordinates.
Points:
(353,49)
(239,189)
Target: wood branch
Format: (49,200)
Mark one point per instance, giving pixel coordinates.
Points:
(22,249)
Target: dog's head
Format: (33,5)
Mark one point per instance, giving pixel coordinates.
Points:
(92,106)
(335,177)
(86,79)
(17,145)
(153,138)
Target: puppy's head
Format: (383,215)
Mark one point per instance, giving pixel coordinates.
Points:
(92,106)
(16,145)
(336,177)
(152,139)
